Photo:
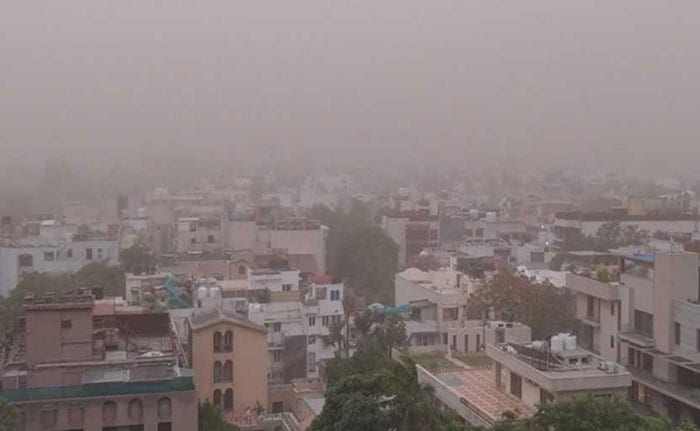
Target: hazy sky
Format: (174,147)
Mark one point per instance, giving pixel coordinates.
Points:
(573,81)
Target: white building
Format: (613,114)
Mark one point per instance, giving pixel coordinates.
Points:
(52,253)
(297,327)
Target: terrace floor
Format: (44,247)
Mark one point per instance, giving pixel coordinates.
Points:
(477,387)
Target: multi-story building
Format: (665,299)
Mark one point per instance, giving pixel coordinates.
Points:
(56,248)
(413,232)
(230,360)
(537,374)
(649,321)
(439,301)
(517,376)
(297,326)
(95,365)
(572,223)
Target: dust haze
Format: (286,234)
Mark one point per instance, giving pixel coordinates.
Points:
(146,87)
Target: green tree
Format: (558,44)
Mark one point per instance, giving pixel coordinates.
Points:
(511,297)
(137,258)
(8,416)
(211,418)
(100,275)
(557,262)
(595,414)
(359,251)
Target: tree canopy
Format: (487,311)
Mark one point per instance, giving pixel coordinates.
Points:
(211,418)
(359,251)
(511,296)
(610,235)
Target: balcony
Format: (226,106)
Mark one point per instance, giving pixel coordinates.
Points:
(275,340)
(593,287)
(681,393)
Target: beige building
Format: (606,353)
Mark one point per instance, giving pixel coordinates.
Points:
(439,302)
(538,375)
(79,366)
(229,356)
(649,321)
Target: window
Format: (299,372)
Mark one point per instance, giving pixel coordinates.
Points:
(193,240)
(478,342)
(100,254)
(324,321)
(450,314)
(66,324)
(48,418)
(228,399)
(444,339)
(311,339)
(276,327)
(312,362)
(217,398)
(135,409)
(217,342)
(469,232)
(335,295)
(48,256)
(433,234)
(516,385)
(25,260)
(466,343)
(612,308)
(677,332)
(211,239)
(479,232)
(286,288)
(277,356)
(241,270)
(228,341)
(109,411)
(193,226)
(612,341)
(228,371)
(165,426)
(277,407)
(217,372)
(312,321)
(590,307)
(164,408)
(69,253)
(88,253)
(644,323)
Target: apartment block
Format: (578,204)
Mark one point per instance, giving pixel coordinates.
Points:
(648,321)
(95,365)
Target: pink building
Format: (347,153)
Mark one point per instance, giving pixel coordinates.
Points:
(78,366)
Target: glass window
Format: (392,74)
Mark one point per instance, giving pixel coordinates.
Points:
(217,341)
(228,341)
(217,372)
(312,321)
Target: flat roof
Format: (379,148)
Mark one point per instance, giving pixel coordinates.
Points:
(477,386)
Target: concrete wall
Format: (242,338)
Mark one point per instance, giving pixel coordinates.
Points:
(675,276)
(48,341)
